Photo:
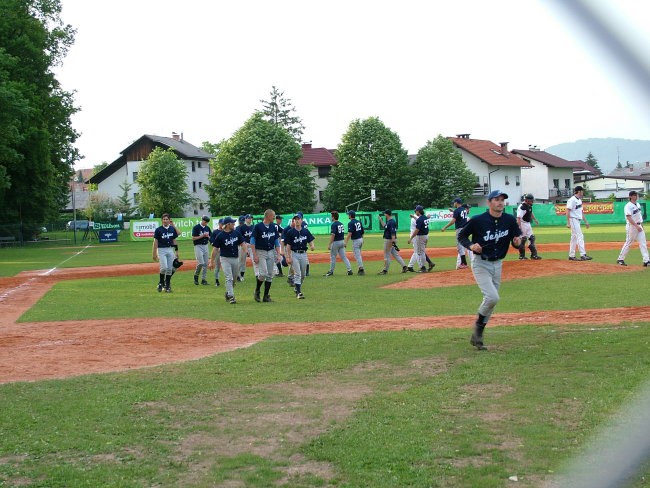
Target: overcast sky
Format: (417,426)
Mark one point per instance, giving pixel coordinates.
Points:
(521,71)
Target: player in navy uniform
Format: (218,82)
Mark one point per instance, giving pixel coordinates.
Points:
(227,243)
(419,237)
(245,230)
(214,235)
(278,224)
(491,234)
(525,216)
(296,240)
(336,246)
(458,220)
(265,243)
(390,246)
(304,226)
(164,242)
(201,238)
(355,232)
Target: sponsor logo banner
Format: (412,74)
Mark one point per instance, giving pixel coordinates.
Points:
(592,208)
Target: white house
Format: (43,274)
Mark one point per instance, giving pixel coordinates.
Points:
(495,167)
(549,178)
(322,160)
(125,169)
(621,181)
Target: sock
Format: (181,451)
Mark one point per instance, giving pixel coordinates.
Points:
(258,285)
(463,259)
(162,279)
(307,269)
(168,279)
(428,259)
(267,287)
(298,288)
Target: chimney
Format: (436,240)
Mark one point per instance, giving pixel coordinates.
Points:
(462,136)
(306,145)
(175,136)
(504,148)
(532,147)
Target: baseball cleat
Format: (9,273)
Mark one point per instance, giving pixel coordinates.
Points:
(462,266)
(168,289)
(536,258)
(621,262)
(646,264)
(267,299)
(523,257)
(383,272)
(204,282)
(160,287)
(232,300)
(300,296)
(410,269)
(350,273)
(405,269)
(586,258)
(216,282)
(329,273)
(573,258)
(196,280)
(423,270)
(432,265)
(477,342)
(361,272)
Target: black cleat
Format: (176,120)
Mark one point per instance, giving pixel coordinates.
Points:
(646,264)
(383,272)
(523,258)
(267,299)
(196,280)
(168,289)
(405,269)
(204,282)
(423,270)
(535,257)
(573,258)
(160,287)
(232,300)
(350,273)
(329,273)
(216,283)
(477,342)
(409,269)
(586,258)
(256,296)
(361,272)
(621,262)
(432,265)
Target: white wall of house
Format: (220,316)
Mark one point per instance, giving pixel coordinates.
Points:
(604,187)
(562,179)
(504,178)
(321,184)
(535,180)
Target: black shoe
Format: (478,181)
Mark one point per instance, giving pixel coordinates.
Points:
(573,258)
(196,279)
(300,296)
(621,262)
(329,273)
(361,272)
(267,299)
(432,265)
(646,264)
(216,283)
(256,296)
(535,257)
(160,287)
(280,273)
(523,257)
(477,342)
(586,258)
(204,282)
(239,278)
(227,297)
(350,273)
(409,269)
(168,289)
(423,270)
(405,269)
(232,300)
(290,282)
(383,272)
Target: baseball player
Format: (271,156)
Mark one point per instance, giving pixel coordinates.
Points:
(634,230)
(228,243)
(574,215)
(419,236)
(336,245)
(200,239)
(355,232)
(304,226)
(245,231)
(491,234)
(458,220)
(296,240)
(265,243)
(390,245)
(217,267)
(278,224)
(524,217)
(164,242)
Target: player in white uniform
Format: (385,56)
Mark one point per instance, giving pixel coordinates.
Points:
(574,216)
(634,230)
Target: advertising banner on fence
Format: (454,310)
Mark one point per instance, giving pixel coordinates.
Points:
(590,208)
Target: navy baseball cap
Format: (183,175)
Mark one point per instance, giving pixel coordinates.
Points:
(205,218)
(496,193)
(457,200)
(388,212)
(241,218)
(248,216)
(299,214)
(228,220)
(419,208)
(351,213)
(632,193)
(221,221)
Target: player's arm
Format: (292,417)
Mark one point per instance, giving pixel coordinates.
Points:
(329,244)
(213,257)
(155,249)
(415,232)
(584,217)
(255,258)
(568,217)
(451,222)
(633,223)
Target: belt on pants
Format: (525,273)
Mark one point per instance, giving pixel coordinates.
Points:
(484,258)
(300,252)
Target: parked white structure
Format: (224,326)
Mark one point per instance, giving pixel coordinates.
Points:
(549,178)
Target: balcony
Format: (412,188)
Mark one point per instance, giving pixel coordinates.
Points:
(480,190)
(557,193)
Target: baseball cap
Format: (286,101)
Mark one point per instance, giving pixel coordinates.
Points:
(299,214)
(241,218)
(205,218)
(457,200)
(278,217)
(228,220)
(351,213)
(248,216)
(419,208)
(221,221)
(529,196)
(388,212)
(633,192)
(496,193)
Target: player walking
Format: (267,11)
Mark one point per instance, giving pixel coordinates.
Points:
(355,232)
(214,235)
(265,243)
(390,246)
(227,244)
(524,217)
(574,215)
(296,240)
(200,239)
(491,234)
(458,220)
(419,236)
(164,242)
(634,230)
(336,246)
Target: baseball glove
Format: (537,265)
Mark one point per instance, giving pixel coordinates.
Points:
(177,264)
(395,246)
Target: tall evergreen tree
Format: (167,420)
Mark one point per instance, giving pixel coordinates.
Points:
(257,168)
(36,140)
(280,111)
(592,161)
(370,156)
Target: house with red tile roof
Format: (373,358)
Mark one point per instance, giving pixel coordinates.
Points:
(583,172)
(549,178)
(495,167)
(322,161)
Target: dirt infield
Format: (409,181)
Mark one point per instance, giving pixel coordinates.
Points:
(34,351)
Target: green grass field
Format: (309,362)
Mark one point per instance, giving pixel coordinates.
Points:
(390,409)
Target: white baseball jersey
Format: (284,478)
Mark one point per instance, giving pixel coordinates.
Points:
(634,210)
(574,204)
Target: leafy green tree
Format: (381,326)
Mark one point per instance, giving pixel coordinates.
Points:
(280,111)
(257,168)
(592,161)
(438,175)
(96,169)
(122,204)
(36,140)
(163,186)
(370,156)
(100,207)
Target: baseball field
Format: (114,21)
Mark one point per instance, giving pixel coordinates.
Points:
(369,381)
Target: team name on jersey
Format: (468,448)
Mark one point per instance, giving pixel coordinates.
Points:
(299,239)
(167,235)
(268,235)
(495,236)
(231,241)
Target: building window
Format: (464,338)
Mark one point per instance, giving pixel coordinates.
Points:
(567,183)
(198,163)
(196,212)
(200,184)
(194,186)
(193,166)
(135,198)
(517,181)
(556,184)
(201,206)
(324,171)
(507,180)
(135,176)
(320,195)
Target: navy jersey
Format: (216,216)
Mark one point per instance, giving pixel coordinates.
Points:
(460,214)
(297,240)
(199,230)
(422,225)
(228,243)
(337,230)
(246,231)
(391,229)
(493,234)
(265,236)
(527,212)
(356,228)
(214,235)
(165,236)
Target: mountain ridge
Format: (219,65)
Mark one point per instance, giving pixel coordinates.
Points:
(607,150)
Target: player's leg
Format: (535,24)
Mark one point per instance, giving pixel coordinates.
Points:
(631,235)
(299,272)
(533,247)
(344,258)
(357,244)
(573,243)
(198,255)
(167,264)
(228,268)
(461,253)
(399,259)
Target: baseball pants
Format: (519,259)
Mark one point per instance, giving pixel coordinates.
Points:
(338,249)
(299,263)
(166,257)
(266,264)
(488,278)
(389,253)
(577,238)
(631,235)
(217,267)
(230,268)
(419,249)
(242,259)
(202,257)
(357,244)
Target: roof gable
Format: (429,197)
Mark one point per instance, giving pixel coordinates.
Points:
(317,156)
(489,152)
(545,158)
